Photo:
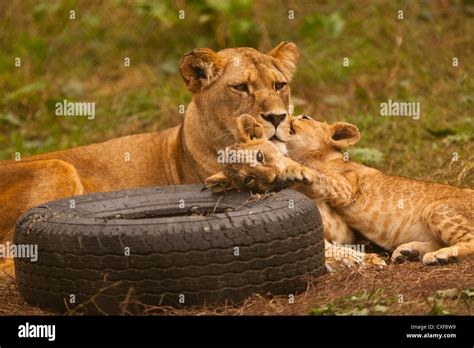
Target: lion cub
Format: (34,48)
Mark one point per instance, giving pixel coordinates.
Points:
(416,219)
(265,170)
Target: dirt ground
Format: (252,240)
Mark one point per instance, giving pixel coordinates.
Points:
(396,289)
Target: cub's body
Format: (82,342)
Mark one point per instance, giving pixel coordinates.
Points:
(414,219)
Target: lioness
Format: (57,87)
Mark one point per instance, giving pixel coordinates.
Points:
(225,84)
(414,219)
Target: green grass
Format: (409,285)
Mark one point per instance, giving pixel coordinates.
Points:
(375,302)
(405,60)
(383,302)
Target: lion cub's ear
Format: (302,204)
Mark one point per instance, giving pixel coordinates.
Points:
(200,68)
(248,128)
(219,182)
(286,58)
(343,134)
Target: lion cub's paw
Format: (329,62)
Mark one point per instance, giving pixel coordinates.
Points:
(296,174)
(403,253)
(441,257)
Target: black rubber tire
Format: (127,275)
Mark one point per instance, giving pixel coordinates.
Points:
(82,250)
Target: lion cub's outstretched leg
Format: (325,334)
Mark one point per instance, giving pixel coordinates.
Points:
(24,185)
(452,222)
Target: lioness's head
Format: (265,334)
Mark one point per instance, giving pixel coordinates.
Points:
(238,81)
(253,164)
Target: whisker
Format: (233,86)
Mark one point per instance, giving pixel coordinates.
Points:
(225,133)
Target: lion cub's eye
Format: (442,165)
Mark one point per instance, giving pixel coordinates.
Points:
(292,130)
(241,87)
(260,156)
(248,180)
(280,85)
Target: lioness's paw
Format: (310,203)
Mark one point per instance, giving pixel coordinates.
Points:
(296,174)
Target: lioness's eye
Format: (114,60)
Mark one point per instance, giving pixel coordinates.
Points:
(248,180)
(280,85)
(241,87)
(260,156)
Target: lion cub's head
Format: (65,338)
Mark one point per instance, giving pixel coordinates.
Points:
(254,164)
(311,139)
(237,81)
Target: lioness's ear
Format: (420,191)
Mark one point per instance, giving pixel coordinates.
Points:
(200,68)
(219,183)
(344,134)
(248,128)
(286,57)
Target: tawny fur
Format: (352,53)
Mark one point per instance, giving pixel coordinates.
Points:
(181,155)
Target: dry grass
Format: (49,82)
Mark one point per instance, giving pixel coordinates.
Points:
(438,290)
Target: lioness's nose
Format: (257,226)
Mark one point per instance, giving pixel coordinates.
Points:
(274,118)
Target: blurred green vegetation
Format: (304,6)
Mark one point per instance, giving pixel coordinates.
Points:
(404,60)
